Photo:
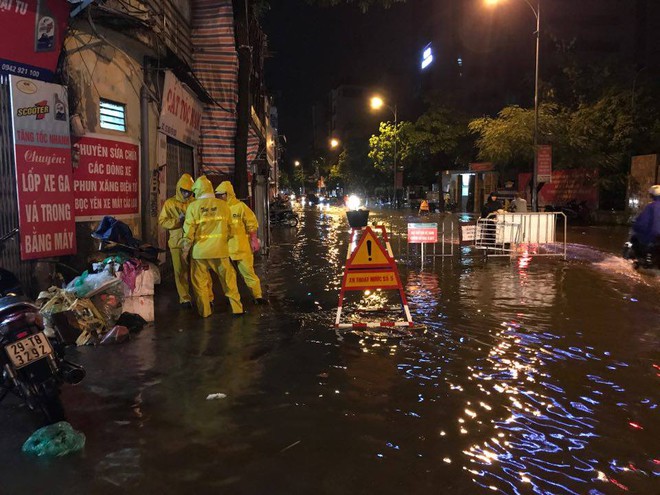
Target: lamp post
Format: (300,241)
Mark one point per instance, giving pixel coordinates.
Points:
(535,172)
(297,163)
(377,103)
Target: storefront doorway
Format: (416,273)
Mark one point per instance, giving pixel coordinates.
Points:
(180,160)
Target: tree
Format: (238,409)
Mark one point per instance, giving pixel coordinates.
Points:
(440,139)
(602,136)
(508,139)
(298,177)
(355,171)
(381,146)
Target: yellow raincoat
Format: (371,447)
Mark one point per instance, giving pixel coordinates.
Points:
(207,229)
(244,224)
(170,219)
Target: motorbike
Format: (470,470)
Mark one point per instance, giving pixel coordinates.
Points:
(33,365)
(283,216)
(642,258)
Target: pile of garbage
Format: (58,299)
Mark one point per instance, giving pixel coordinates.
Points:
(114,299)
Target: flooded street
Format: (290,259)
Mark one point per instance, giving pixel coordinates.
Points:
(533,376)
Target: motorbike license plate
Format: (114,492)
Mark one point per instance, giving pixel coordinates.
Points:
(29,350)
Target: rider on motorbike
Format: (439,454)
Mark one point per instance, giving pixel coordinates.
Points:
(646,229)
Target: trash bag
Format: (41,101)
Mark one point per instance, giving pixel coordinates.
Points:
(132,321)
(87,285)
(54,440)
(67,324)
(117,335)
(109,302)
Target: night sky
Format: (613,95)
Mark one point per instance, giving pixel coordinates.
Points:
(315,49)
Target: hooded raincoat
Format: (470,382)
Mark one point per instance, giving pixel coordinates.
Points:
(647,224)
(244,224)
(206,231)
(171,219)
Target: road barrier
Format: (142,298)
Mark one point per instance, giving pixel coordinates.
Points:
(370,265)
(504,234)
(509,234)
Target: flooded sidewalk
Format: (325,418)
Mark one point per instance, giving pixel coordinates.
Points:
(539,376)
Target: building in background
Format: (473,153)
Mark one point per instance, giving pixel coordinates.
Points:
(152,93)
(349,115)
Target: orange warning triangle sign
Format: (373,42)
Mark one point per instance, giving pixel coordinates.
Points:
(369,252)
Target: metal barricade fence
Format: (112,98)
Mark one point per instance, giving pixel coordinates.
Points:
(446,246)
(506,233)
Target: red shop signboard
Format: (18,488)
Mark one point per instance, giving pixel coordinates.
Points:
(32,36)
(42,150)
(107,178)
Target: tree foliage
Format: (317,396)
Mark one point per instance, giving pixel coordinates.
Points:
(438,139)
(382,149)
(441,135)
(508,139)
(354,170)
(601,134)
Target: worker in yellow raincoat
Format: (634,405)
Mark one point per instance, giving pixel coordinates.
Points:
(171,219)
(206,231)
(244,242)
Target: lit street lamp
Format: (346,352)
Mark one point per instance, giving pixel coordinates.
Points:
(377,103)
(302,172)
(334,142)
(535,172)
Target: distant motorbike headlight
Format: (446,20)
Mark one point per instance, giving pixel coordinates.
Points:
(353,202)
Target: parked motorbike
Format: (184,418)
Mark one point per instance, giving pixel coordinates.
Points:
(32,363)
(283,216)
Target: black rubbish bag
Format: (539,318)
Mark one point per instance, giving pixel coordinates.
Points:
(112,230)
(132,321)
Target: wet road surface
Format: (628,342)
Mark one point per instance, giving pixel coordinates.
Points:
(534,376)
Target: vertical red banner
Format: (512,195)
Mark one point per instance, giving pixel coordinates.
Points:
(42,149)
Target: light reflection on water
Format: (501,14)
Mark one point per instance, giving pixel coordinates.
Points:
(523,356)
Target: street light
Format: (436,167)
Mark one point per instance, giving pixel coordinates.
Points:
(535,172)
(377,103)
(334,142)
(302,172)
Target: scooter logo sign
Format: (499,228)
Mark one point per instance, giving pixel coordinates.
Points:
(39,110)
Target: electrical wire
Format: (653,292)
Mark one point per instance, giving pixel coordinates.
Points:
(153,95)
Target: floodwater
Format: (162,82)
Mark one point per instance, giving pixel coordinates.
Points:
(532,376)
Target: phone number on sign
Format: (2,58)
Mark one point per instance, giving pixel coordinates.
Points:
(14,69)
